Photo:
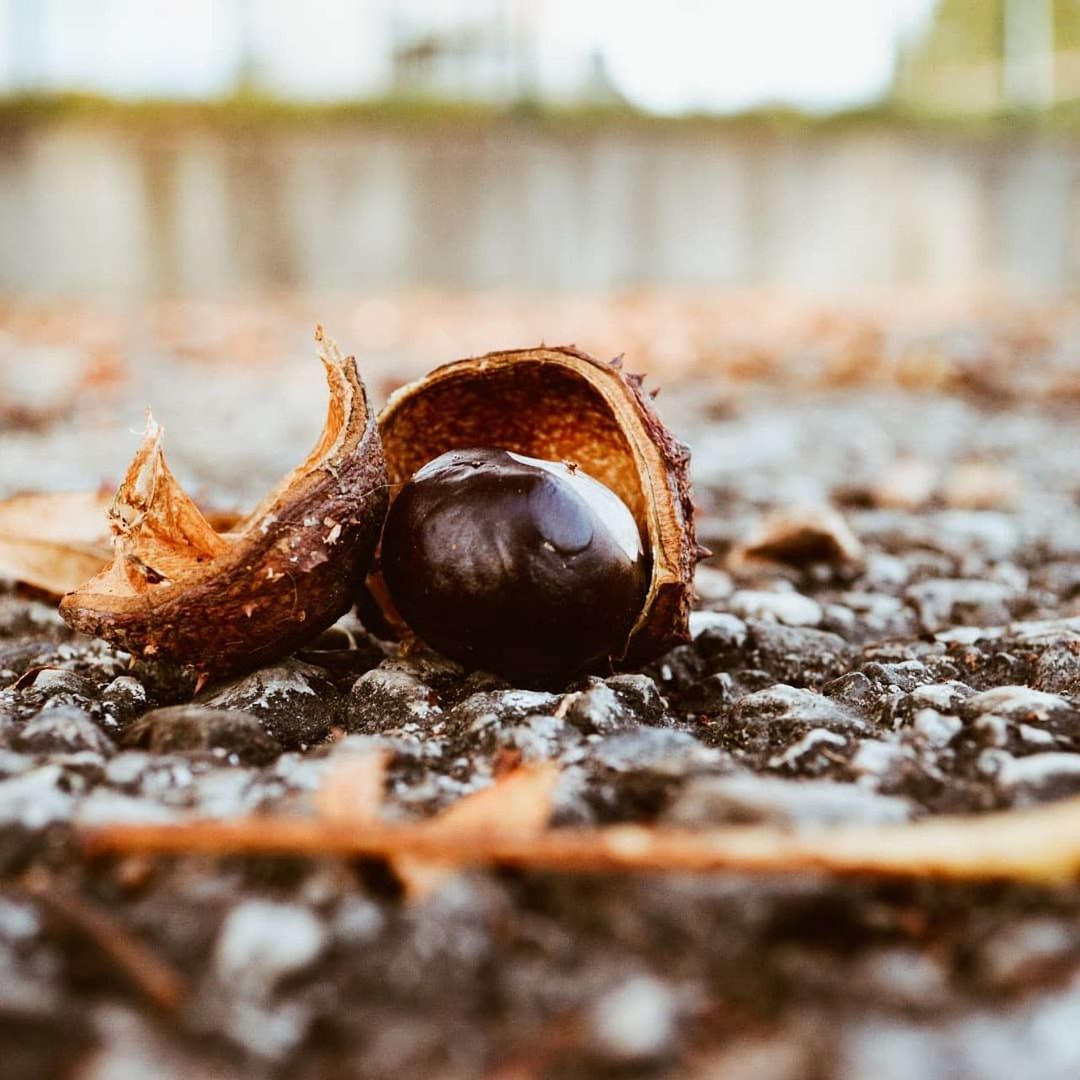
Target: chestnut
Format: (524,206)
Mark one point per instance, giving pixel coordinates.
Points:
(539,407)
(528,568)
(568,548)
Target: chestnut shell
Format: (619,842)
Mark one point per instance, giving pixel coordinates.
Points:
(560,404)
(224,602)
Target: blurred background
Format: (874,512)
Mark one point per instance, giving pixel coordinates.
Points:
(800,194)
(153,147)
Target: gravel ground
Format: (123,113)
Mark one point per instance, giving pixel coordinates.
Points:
(941,673)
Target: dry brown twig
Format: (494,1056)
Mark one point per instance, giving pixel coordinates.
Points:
(156,979)
(1037,846)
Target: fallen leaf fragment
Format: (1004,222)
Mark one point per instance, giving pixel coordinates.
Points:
(221,602)
(800,536)
(1038,846)
(520,802)
(54,541)
(351,795)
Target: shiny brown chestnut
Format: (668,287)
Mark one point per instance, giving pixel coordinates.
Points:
(528,568)
(556,405)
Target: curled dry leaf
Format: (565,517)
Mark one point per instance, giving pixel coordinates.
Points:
(351,794)
(220,602)
(352,791)
(521,801)
(799,536)
(54,541)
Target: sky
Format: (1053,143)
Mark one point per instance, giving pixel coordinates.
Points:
(680,55)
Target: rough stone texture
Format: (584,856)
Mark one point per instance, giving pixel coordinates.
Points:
(234,733)
(296,702)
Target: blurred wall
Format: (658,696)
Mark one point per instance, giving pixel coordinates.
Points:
(104,209)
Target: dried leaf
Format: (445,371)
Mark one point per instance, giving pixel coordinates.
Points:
(352,791)
(54,542)
(520,802)
(800,536)
(148,971)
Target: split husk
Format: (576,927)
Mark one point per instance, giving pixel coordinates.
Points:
(561,404)
(222,602)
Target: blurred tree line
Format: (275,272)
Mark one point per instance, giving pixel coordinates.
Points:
(982,55)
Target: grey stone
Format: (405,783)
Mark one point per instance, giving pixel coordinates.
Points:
(180,728)
(936,729)
(1026,951)
(709,800)
(790,608)
(543,738)
(125,697)
(1064,631)
(1017,702)
(36,798)
(635,1022)
(902,979)
(880,761)
(11,763)
(295,702)
(882,571)
(29,973)
(357,921)
(1057,773)
(52,681)
(945,696)
(129,1046)
(1035,1038)
(809,751)
(658,750)
(797,654)
(711,585)
(640,695)
(598,710)
(224,793)
(104,807)
(62,729)
(475,717)
(388,697)
(942,602)
(261,943)
(1058,670)
(722,628)
(791,707)
(709,695)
